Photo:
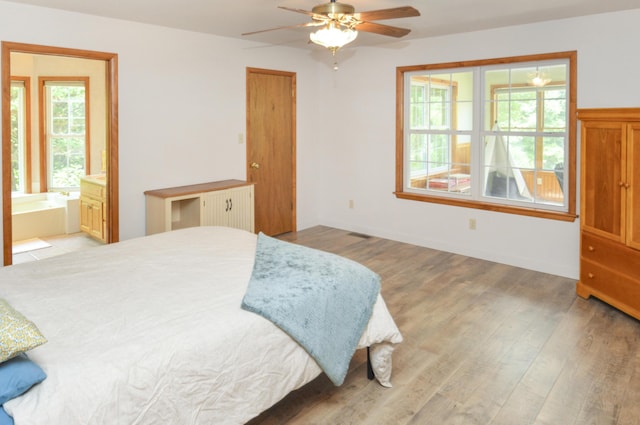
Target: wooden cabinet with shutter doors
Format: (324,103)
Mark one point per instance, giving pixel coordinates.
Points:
(610,207)
(227,203)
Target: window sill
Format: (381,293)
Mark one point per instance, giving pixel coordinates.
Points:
(531,212)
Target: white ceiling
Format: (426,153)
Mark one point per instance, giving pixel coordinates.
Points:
(231,18)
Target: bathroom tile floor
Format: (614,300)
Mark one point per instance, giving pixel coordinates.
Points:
(59,245)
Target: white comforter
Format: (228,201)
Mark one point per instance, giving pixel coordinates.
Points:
(150,331)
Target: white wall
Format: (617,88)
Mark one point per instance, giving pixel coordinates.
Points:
(182,105)
(181,100)
(359,155)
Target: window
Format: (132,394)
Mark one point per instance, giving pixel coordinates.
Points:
(495,134)
(66,138)
(19,135)
(436,147)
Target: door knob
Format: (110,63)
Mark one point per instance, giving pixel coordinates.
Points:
(255,165)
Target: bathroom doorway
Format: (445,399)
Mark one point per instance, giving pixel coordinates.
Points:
(101,157)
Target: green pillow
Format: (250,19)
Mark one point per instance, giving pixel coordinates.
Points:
(17,334)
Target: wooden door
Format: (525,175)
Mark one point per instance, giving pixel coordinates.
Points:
(603,198)
(92,217)
(271,124)
(85,215)
(632,186)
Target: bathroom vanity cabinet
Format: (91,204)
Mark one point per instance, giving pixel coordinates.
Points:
(93,201)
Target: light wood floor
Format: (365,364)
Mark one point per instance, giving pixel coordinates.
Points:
(485,343)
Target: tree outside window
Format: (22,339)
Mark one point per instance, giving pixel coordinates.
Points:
(18,136)
(66,133)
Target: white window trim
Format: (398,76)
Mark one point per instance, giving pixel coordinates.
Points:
(476,198)
(48,132)
(22,130)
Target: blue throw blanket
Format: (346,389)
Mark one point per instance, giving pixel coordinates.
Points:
(321,300)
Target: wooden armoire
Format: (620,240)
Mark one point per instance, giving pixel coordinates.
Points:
(610,207)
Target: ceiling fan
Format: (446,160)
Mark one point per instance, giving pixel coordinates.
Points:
(340,23)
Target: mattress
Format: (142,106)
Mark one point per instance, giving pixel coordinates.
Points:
(150,330)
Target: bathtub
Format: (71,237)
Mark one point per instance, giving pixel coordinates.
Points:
(44,214)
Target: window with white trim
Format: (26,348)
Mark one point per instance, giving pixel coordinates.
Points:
(19,140)
(66,136)
(495,134)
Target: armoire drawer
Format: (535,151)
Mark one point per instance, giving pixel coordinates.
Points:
(613,254)
(616,289)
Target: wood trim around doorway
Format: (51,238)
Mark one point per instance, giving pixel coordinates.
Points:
(111,63)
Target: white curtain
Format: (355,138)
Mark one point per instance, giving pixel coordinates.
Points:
(499,164)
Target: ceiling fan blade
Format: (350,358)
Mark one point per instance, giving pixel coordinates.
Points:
(307,24)
(382,29)
(393,13)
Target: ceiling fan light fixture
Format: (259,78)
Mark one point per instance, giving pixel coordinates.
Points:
(333,37)
(339,23)
(539,79)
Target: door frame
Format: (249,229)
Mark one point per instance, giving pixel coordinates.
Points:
(293,76)
(111,64)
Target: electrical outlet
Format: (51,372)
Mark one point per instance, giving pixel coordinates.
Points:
(240,138)
(351,203)
(472,224)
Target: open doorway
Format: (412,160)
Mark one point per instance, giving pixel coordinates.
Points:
(99,158)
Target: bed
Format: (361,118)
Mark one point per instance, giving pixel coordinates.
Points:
(151,330)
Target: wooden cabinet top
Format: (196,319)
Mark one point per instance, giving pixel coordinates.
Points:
(170,192)
(99,179)
(608,114)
